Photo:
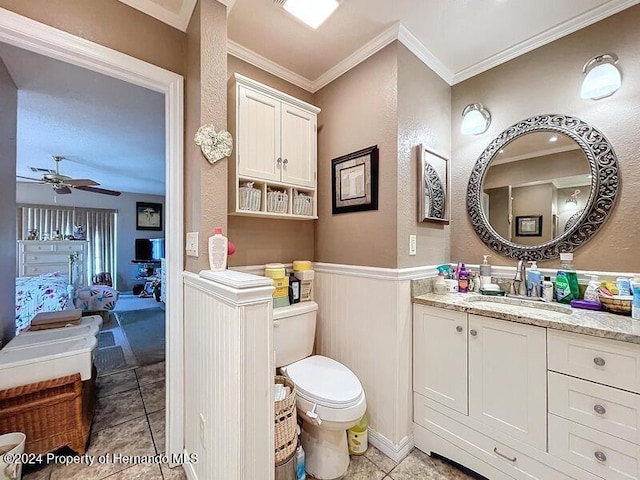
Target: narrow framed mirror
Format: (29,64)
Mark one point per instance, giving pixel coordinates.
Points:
(433,186)
(543,186)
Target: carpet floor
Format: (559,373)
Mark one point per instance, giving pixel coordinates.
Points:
(145,334)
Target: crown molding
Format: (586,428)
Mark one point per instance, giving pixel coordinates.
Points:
(357,57)
(424,54)
(548,36)
(267,65)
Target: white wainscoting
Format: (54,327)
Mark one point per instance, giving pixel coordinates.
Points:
(364,322)
(229,377)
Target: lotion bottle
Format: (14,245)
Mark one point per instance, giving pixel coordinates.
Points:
(485,272)
(218,245)
(547,289)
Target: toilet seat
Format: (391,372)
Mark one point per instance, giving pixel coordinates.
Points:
(323,381)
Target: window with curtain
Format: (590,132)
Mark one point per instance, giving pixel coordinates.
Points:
(99,224)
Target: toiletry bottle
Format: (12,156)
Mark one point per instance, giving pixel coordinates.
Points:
(440,287)
(635,303)
(534,280)
(624,286)
(591,293)
(485,272)
(463,279)
(301,473)
(567,287)
(218,245)
(294,289)
(547,290)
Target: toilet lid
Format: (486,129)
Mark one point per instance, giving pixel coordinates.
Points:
(324,381)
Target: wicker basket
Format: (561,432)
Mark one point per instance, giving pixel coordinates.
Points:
(53,413)
(616,304)
(286,432)
(277,201)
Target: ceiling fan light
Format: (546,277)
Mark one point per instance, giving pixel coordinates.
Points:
(311,12)
(602,77)
(476,119)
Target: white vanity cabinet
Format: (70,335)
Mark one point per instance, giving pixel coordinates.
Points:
(275,149)
(480,396)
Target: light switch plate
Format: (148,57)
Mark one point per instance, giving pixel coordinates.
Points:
(192,244)
(412,245)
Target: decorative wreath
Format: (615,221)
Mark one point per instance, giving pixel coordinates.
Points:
(214,146)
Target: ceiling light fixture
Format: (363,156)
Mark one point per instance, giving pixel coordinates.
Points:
(311,12)
(602,77)
(476,119)
(572,201)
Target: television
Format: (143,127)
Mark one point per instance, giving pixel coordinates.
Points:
(149,249)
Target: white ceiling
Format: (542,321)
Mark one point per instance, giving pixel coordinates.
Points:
(108,130)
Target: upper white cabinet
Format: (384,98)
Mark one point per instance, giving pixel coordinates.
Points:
(275,168)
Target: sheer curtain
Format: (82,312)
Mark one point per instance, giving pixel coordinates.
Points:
(100,227)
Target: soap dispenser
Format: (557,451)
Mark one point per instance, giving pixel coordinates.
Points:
(485,272)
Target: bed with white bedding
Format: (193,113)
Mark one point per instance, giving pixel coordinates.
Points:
(48,292)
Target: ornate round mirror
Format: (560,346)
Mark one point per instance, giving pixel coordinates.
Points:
(543,186)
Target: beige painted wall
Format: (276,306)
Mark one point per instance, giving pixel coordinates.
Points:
(8,123)
(359,110)
(424,117)
(547,80)
(533,200)
(112,24)
(263,240)
(206,102)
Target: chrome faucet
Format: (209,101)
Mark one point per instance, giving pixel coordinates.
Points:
(519,285)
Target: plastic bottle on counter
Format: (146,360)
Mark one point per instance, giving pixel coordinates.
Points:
(485,272)
(591,293)
(463,279)
(218,246)
(440,286)
(547,289)
(635,303)
(567,287)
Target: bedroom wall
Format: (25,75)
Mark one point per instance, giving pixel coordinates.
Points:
(8,121)
(125,204)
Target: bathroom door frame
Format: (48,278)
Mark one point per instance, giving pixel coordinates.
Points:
(37,37)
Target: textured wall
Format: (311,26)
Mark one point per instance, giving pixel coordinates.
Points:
(264,240)
(112,24)
(547,80)
(206,102)
(424,117)
(8,122)
(359,110)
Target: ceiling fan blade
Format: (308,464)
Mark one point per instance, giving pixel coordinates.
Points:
(81,182)
(104,191)
(29,178)
(62,190)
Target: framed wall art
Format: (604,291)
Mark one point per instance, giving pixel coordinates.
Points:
(148,216)
(433,186)
(354,181)
(529,226)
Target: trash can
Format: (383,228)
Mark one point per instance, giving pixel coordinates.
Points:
(11,444)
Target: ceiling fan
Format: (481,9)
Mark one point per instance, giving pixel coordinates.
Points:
(62,184)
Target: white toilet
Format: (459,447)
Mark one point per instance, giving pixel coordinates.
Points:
(330,398)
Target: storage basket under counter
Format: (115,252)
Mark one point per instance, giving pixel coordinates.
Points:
(286,434)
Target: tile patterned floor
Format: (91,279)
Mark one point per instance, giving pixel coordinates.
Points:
(129,419)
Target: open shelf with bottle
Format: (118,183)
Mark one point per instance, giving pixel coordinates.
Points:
(255,198)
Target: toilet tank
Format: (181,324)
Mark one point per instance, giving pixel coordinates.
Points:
(294,330)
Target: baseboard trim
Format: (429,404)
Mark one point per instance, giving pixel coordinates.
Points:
(397,453)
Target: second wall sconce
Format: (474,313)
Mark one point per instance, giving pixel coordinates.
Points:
(602,77)
(475,119)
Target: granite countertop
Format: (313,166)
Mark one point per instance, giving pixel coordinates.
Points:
(549,315)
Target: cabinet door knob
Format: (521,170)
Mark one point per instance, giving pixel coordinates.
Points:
(285,161)
(600,456)
(459,329)
(473,333)
(276,323)
(511,459)
(599,361)
(279,160)
(599,409)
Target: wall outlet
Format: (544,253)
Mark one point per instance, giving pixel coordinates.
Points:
(412,245)
(192,244)
(202,431)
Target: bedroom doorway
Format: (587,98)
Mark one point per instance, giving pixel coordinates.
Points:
(39,38)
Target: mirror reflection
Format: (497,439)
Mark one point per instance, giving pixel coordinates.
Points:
(536,188)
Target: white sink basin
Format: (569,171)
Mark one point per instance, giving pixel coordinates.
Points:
(489,302)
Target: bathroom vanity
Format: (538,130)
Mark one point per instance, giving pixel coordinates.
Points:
(518,390)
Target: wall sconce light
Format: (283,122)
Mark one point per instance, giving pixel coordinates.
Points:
(475,119)
(572,201)
(602,77)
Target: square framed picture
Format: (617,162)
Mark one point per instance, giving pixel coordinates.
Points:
(148,216)
(354,181)
(529,226)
